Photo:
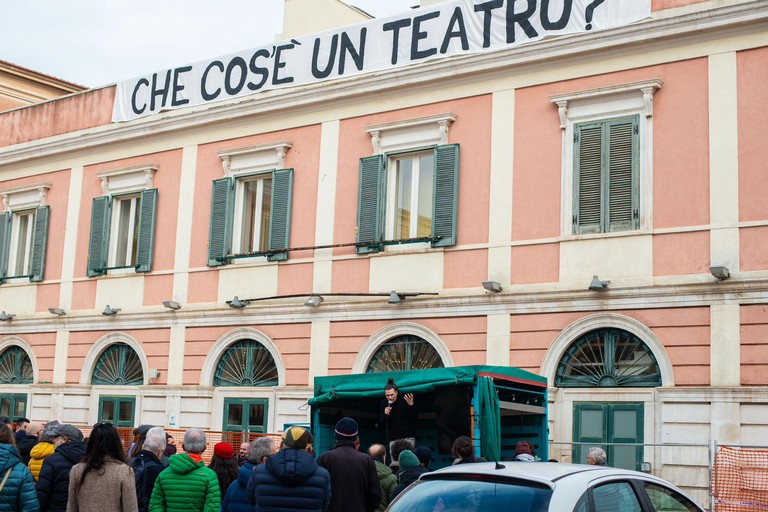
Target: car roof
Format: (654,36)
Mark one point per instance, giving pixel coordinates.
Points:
(547,473)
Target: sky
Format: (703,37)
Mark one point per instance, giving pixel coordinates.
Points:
(100,42)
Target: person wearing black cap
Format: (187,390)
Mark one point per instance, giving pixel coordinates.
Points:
(354,481)
(53,484)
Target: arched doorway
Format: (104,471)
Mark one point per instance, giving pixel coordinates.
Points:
(118,365)
(608,358)
(246,363)
(15,368)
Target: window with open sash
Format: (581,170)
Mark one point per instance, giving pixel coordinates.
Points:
(251,216)
(408,197)
(606,176)
(122,232)
(23,240)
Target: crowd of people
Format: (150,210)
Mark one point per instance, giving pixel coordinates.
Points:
(52,467)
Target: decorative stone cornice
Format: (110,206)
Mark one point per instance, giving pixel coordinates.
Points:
(27,196)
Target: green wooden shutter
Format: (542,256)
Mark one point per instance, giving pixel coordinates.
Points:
(623,162)
(606,176)
(222,205)
(370,210)
(587,179)
(446,188)
(101,214)
(146,243)
(280,216)
(39,243)
(5,244)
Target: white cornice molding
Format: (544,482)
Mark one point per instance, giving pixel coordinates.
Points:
(419,131)
(646,87)
(137,177)
(27,196)
(254,158)
(689,295)
(695,25)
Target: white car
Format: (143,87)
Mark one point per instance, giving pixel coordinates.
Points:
(540,487)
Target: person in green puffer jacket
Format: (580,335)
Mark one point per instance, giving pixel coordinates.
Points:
(387,479)
(186,485)
(18,492)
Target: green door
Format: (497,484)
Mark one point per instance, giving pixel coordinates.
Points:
(118,410)
(603,424)
(245,415)
(13,406)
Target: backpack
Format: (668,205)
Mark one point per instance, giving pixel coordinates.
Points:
(143,491)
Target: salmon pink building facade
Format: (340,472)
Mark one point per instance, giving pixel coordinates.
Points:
(589,207)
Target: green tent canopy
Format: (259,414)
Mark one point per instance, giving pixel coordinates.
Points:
(371,385)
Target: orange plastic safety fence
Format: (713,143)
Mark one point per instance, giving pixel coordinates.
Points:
(740,480)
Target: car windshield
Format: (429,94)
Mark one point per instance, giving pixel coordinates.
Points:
(472,495)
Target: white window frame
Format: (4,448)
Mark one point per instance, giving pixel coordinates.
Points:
(16,238)
(133,221)
(391,210)
(245,165)
(22,201)
(122,185)
(604,103)
(401,139)
(241,184)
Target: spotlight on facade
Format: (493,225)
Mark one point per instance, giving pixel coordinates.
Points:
(171,304)
(597,284)
(56,311)
(110,311)
(395,298)
(313,301)
(492,286)
(6,317)
(237,303)
(720,272)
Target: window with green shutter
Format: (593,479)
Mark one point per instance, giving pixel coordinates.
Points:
(408,197)
(606,176)
(251,216)
(23,240)
(122,232)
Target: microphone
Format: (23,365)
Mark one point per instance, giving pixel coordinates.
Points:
(389,403)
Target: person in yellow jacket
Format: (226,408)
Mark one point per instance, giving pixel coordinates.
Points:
(42,449)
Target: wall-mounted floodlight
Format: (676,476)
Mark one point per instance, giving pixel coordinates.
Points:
(171,304)
(492,286)
(6,317)
(395,298)
(597,284)
(110,311)
(237,303)
(56,311)
(313,301)
(720,272)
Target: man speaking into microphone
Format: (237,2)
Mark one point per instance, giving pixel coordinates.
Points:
(398,414)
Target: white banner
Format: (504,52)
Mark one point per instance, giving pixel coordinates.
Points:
(456,27)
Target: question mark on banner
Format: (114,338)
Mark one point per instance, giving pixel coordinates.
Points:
(589,12)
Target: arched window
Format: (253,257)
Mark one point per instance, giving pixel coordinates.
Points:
(608,358)
(246,363)
(406,352)
(118,365)
(15,366)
